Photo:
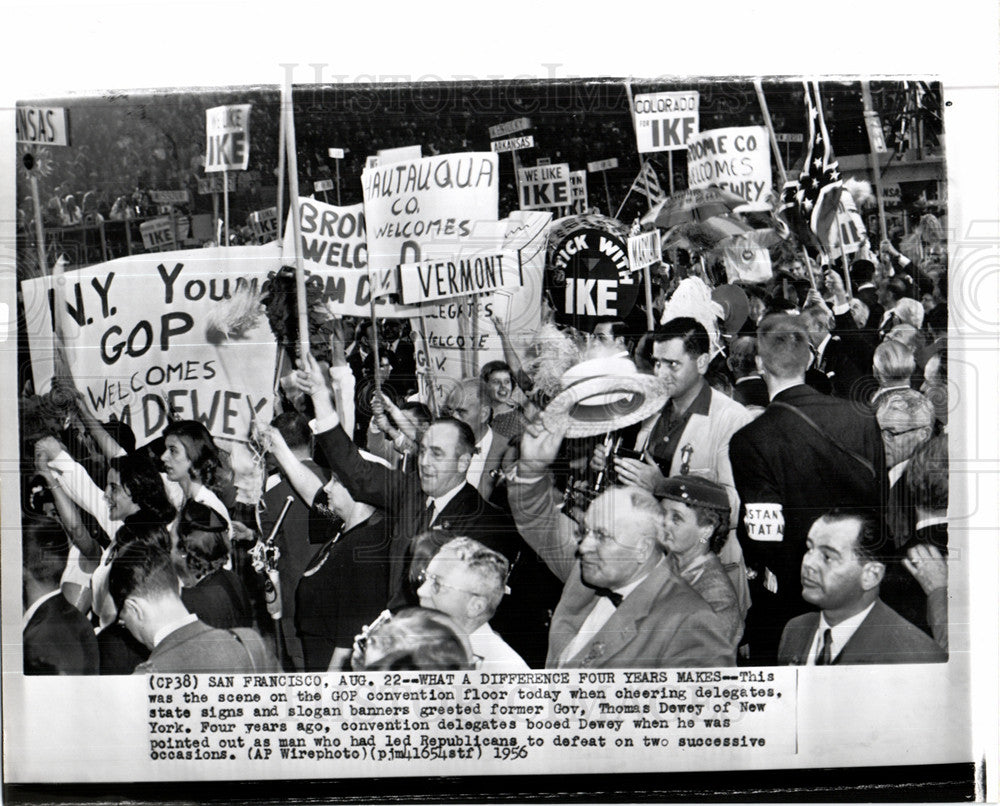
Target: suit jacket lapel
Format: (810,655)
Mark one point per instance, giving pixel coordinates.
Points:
(461,506)
(802,640)
(622,627)
(867,640)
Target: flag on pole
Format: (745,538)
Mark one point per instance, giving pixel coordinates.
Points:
(648,184)
(808,205)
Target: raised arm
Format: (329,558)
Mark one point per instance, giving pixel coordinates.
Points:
(520,377)
(534,502)
(76,482)
(366,481)
(303,480)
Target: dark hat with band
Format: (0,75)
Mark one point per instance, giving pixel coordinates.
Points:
(695,491)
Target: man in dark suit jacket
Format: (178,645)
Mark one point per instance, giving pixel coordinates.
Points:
(862,276)
(145,590)
(439,500)
(842,570)
(788,472)
(58,639)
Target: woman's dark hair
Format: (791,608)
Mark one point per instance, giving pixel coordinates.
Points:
(719,521)
(208,464)
(136,530)
(140,476)
(201,533)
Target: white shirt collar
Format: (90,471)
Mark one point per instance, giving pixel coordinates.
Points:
(443,500)
(163,632)
(822,347)
(896,471)
(30,612)
(839,634)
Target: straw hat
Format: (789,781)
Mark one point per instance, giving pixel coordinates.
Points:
(603,394)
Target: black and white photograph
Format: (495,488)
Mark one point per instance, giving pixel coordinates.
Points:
(546,430)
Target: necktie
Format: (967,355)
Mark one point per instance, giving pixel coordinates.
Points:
(825,657)
(428,516)
(612,596)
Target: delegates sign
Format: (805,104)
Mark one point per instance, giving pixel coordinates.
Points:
(433,208)
(227,131)
(737,159)
(665,121)
(139,337)
(460,338)
(545,186)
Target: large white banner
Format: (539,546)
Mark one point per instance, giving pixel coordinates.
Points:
(737,159)
(457,335)
(140,339)
(435,207)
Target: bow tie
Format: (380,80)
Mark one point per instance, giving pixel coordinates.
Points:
(614,597)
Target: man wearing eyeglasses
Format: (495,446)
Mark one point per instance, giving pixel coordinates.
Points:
(906,419)
(622,604)
(467,581)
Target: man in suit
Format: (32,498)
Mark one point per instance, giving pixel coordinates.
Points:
(862,276)
(842,570)
(843,352)
(749,388)
(58,639)
(146,593)
(788,471)
(892,291)
(469,402)
(436,502)
(622,604)
(906,418)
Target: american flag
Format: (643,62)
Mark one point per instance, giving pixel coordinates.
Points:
(812,199)
(648,184)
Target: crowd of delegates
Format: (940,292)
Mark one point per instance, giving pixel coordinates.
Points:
(788,504)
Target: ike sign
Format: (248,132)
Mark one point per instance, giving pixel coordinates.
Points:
(227,130)
(665,121)
(545,186)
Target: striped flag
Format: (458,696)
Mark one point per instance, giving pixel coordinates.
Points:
(648,184)
(808,205)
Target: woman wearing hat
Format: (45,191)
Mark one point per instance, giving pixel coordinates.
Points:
(200,553)
(696,518)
